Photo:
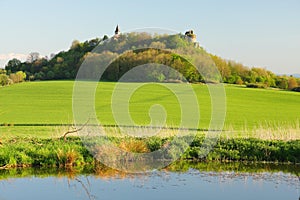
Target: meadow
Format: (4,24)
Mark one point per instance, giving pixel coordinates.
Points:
(44,109)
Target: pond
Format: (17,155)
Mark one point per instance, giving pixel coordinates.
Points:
(182,180)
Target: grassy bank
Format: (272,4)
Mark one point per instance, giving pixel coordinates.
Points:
(22,152)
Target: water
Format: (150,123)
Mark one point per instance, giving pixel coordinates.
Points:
(173,184)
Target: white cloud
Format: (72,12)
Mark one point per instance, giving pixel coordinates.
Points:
(4,58)
(10,56)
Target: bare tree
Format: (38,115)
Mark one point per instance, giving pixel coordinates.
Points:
(33,56)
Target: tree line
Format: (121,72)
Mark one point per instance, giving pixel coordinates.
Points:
(12,78)
(129,51)
(236,73)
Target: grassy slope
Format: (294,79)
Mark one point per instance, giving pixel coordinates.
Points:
(51,103)
(252,107)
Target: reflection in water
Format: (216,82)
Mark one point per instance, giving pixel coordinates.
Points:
(182,180)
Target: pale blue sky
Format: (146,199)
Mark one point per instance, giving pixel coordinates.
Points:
(264,33)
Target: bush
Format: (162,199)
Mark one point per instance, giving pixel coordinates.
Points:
(249,150)
(292,83)
(4,80)
(17,77)
(50,75)
(297,89)
(256,85)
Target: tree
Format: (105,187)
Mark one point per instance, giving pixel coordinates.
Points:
(282,82)
(21,76)
(33,56)
(39,76)
(157,45)
(105,37)
(222,66)
(2,71)
(65,64)
(4,80)
(59,59)
(239,81)
(18,77)
(12,65)
(50,75)
(292,83)
(75,44)
(13,78)
(52,55)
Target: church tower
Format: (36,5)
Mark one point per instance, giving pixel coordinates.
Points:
(117,31)
(192,37)
(190,34)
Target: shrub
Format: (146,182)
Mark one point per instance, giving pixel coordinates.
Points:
(154,143)
(297,89)
(239,81)
(4,80)
(134,146)
(256,85)
(292,83)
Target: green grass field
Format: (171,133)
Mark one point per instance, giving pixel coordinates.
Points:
(50,103)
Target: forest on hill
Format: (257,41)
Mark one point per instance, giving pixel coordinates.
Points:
(134,49)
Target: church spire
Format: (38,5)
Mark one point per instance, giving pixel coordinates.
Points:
(117,31)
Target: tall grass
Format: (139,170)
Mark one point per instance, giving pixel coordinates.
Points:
(28,151)
(134,146)
(268,130)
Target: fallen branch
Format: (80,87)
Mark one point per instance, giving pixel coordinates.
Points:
(4,167)
(75,130)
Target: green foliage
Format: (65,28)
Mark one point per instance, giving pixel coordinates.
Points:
(282,82)
(256,85)
(292,83)
(153,72)
(155,143)
(13,65)
(58,153)
(235,73)
(17,77)
(50,75)
(65,65)
(4,80)
(43,152)
(249,150)
(297,89)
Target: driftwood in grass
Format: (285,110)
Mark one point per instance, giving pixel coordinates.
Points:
(74,130)
(4,167)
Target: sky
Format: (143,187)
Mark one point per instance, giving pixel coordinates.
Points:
(257,33)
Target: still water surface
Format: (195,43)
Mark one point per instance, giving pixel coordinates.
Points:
(173,184)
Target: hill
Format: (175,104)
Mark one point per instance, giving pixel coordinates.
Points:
(65,65)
